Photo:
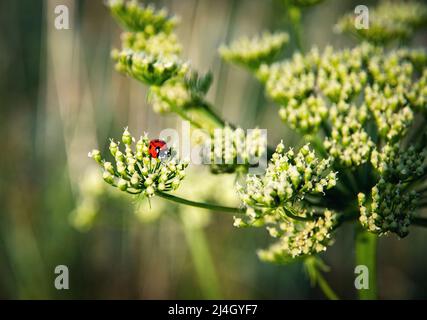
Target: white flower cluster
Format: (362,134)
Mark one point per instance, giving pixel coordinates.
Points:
(233,150)
(305,86)
(149,53)
(252,52)
(136,17)
(149,69)
(324,90)
(149,47)
(289,177)
(389,21)
(392,115)
(392,96)
(297,239)
(349,142)
(171,96)
(306,114)
(388,209)
(136,171)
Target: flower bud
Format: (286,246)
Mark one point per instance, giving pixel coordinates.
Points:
(122,184)
(108,177)
(126,137)
(95,155)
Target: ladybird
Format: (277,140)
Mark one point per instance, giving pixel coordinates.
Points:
(159,149)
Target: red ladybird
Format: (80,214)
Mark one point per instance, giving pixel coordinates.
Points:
(159,149)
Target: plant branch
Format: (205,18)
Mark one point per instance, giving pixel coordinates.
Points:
(314,267)
(202,205)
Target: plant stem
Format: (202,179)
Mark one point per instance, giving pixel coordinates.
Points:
(366,248)
(314,267)
(294,14)
(202,260)
(210,113)
(326,289)
(290,212)
(202,205)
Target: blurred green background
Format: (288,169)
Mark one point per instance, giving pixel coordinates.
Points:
(60,97)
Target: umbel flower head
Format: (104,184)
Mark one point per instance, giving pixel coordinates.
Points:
(297,238)
(253,52)
(305,86)
(388,209)
(290,176)
(136,17)
(390,21)
(276,200)
(149,48)
(322,91)
(149,69)
(135,170)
